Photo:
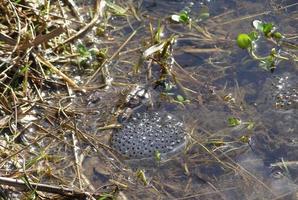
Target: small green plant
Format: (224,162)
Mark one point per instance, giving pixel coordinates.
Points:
(233,122)
(248,126)
(83,51)
(268,31)
(142,177)
(182,17)
(157,156)
(181,100)
(106,196)
(244,139)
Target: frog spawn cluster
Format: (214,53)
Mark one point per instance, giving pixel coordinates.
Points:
(286,92)
(145,134)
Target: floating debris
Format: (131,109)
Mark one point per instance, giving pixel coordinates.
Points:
(145,134)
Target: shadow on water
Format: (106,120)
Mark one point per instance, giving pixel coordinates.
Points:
(216,163)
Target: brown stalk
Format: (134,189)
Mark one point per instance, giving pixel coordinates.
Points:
(45,188)
(57,71)
(42,38)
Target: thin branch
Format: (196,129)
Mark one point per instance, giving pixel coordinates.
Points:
(46,188)
(42,38)
(57,71)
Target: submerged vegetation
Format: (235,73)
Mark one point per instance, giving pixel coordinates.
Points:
(72,73)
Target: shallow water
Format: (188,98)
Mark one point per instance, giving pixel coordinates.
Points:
(215,164)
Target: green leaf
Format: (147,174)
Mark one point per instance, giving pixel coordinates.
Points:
(269,63)
(233,121)
(141,175)
(250,125)
(277,35)
(244,41)
(184,17)
(253,35)
(24,68)
(267,28)
(83,51)
(180,98)
(157,156)
(105,196)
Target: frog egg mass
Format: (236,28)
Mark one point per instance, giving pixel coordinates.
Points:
(144,134)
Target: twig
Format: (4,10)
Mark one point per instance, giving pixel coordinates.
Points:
(45,188)
(7,39)
(42,38)
(205,50)
(19,28)
(57,71)
(76,152)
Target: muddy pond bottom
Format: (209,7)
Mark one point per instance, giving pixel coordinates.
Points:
(145,135)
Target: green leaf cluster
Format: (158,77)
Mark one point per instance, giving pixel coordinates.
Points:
(182,17)
(233,121)
(268,31)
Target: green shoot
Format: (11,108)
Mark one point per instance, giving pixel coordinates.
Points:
(157,156)
(181,100)
(105,196)
(233,121)
(244,139)
(141,175)
(182,17)
(83,51)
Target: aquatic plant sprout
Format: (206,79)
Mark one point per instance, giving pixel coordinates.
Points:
(269,31)
(184,16)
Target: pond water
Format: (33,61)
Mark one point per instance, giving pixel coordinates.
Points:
(221,81)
